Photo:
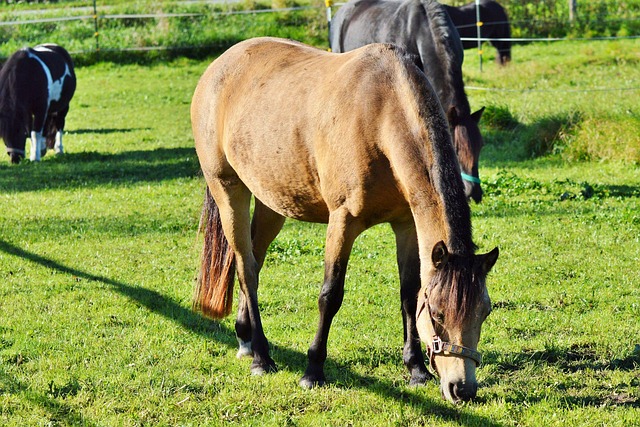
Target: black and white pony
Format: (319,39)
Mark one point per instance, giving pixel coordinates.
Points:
(36,86)
(495,25)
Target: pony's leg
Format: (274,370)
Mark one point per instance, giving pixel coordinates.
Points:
(409,268)
(234,202)
(38,143)
(60,121)
(265,226)
(341,233)
(38,146)
(58,148)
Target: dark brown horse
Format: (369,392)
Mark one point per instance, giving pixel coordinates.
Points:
(495,26)
(425,30)
(351,140)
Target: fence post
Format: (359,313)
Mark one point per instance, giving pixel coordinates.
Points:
(329,3)
(478,25)
(96,34)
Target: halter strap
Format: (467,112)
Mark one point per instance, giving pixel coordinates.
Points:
(446,348)
(11,150)
(470,178)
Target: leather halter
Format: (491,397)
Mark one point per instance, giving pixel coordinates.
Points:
(446,348)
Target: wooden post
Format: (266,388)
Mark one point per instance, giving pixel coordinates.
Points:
(573,10)
(96,33)
(478,25)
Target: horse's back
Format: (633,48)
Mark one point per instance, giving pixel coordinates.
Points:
(300,127)
(352,26)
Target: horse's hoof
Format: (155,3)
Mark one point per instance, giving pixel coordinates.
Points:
(309,383)
(259,369)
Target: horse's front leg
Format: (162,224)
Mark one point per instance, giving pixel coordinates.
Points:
(409,269)
(38,146)
(341,233)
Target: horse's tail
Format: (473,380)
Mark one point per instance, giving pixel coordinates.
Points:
(214,288)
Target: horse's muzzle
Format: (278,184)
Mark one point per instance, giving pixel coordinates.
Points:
(15,157)
(473,191)
(463,392)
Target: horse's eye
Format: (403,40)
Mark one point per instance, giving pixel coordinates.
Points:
(438,316)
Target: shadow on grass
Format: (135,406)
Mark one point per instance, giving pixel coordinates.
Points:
(209,329)
(103,131)
(574,359)
(507,140)
(92,169)
(60,413)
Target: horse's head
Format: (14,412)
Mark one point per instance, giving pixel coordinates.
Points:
(504,54)
(468,143)
(451,310)
(14,139)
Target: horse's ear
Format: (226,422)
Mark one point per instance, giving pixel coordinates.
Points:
(452,116)
(439,255)
(477,115)
(488,260)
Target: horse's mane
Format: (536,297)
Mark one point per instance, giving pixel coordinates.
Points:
(445,169)
(457,273)
(450,51)
(9,98)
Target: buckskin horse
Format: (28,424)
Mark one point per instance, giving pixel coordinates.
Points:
(425,30)
(36,86)
(351,140)
(495,25)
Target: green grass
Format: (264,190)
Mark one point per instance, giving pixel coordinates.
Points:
(98,255)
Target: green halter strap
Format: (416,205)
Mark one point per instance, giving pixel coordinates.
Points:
(470,178)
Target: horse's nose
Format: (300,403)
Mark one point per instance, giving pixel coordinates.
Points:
(473,191)
(464,391)
(15,158)
(476,193)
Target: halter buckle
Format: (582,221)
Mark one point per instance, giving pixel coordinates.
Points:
(436,345)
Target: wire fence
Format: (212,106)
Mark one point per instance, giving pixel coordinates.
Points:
(96,22)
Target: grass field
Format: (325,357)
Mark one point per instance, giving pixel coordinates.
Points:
(98,254)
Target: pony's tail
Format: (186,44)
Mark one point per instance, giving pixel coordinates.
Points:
(213,295)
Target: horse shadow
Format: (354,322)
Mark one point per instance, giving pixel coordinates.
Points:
(104,131)
(60,412)
(507,140)
(576,358)
(209,329)
(94,169)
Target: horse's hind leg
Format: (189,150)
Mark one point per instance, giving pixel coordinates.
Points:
(234,202)
(38,143)
(265,226)
(341,233)
(60,118)
(409,268)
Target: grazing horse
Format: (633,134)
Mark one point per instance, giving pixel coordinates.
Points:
(351,140)
(36,86)
(425,30)
(495,25)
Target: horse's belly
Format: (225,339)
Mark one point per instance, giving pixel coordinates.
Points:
(288,187)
